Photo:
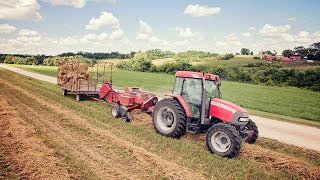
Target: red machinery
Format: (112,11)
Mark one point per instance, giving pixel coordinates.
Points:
(128,100)
(124,101)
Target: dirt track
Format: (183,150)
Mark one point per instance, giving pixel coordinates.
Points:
(298,135)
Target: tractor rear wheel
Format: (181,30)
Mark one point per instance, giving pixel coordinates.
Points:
(224,140)
(251,126)
(169,118)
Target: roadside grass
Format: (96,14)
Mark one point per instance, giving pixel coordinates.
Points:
(283,103)
(187,154)
(291,150)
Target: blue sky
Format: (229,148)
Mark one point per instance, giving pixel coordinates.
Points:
(56,26)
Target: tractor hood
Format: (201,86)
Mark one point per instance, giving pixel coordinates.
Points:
(228,112)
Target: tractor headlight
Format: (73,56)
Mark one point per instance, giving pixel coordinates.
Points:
(243,119)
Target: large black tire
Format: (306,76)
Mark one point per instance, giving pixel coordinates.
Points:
(79,97)
(252,126)
(169,118)
(64,92)
(115,111)
(224,140)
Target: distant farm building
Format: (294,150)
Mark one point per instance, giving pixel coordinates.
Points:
(268,58)
(295,58)
(286,60)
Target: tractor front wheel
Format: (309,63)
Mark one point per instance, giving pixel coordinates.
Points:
(224,140)
(169,118)
(251,126)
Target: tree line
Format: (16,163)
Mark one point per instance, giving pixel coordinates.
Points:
(311,53)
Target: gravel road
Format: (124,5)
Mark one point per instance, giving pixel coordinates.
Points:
(290,133)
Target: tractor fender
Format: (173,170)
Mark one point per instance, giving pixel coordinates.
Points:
(182,102)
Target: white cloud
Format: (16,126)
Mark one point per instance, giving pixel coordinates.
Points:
(145,30)
(105,19)
(117,34)
(292,19)
(113,1)
(29,36)
(198,10)
(182,43)
(231,37)
(270,31)
(246,34)
(252,28)
(73,3)
(20,9)
(68,41)
(185,32)
(157,42)
(6,28)
(231,40)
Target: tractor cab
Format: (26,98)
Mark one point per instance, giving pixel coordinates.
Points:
(197,90)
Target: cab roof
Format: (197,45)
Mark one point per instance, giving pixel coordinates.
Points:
(197,75)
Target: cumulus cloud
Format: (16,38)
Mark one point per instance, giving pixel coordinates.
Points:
(274,31)
(252,28)
(145,30)
(68,41)
(73,3)
(185,32)
(246,34)
(230,40)
(117,34)
(20,9)
(105,19)
(198,10)
(29,36)
(6,28)
(113,1)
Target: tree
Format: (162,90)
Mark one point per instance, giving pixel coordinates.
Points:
(267,52)
(314,47)
(301,50)
(287,53)
(245,51)
(317,56)
(310,57)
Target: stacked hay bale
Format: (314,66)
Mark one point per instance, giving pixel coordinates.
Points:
(73,76)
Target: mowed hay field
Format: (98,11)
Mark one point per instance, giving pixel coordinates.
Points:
(285,103)
(59,137)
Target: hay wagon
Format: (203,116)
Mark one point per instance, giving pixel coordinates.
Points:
(83,79)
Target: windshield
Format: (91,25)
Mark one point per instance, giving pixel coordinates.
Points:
(212,89)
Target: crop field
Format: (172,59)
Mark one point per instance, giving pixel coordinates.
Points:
(286,103)
(81,140)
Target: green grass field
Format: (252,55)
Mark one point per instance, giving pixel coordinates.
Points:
(286,103)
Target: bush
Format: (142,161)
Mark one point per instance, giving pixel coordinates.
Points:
(256,57)
(123,65)
(154,68)
(227,56)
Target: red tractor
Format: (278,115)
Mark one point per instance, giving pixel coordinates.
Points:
(195,107)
